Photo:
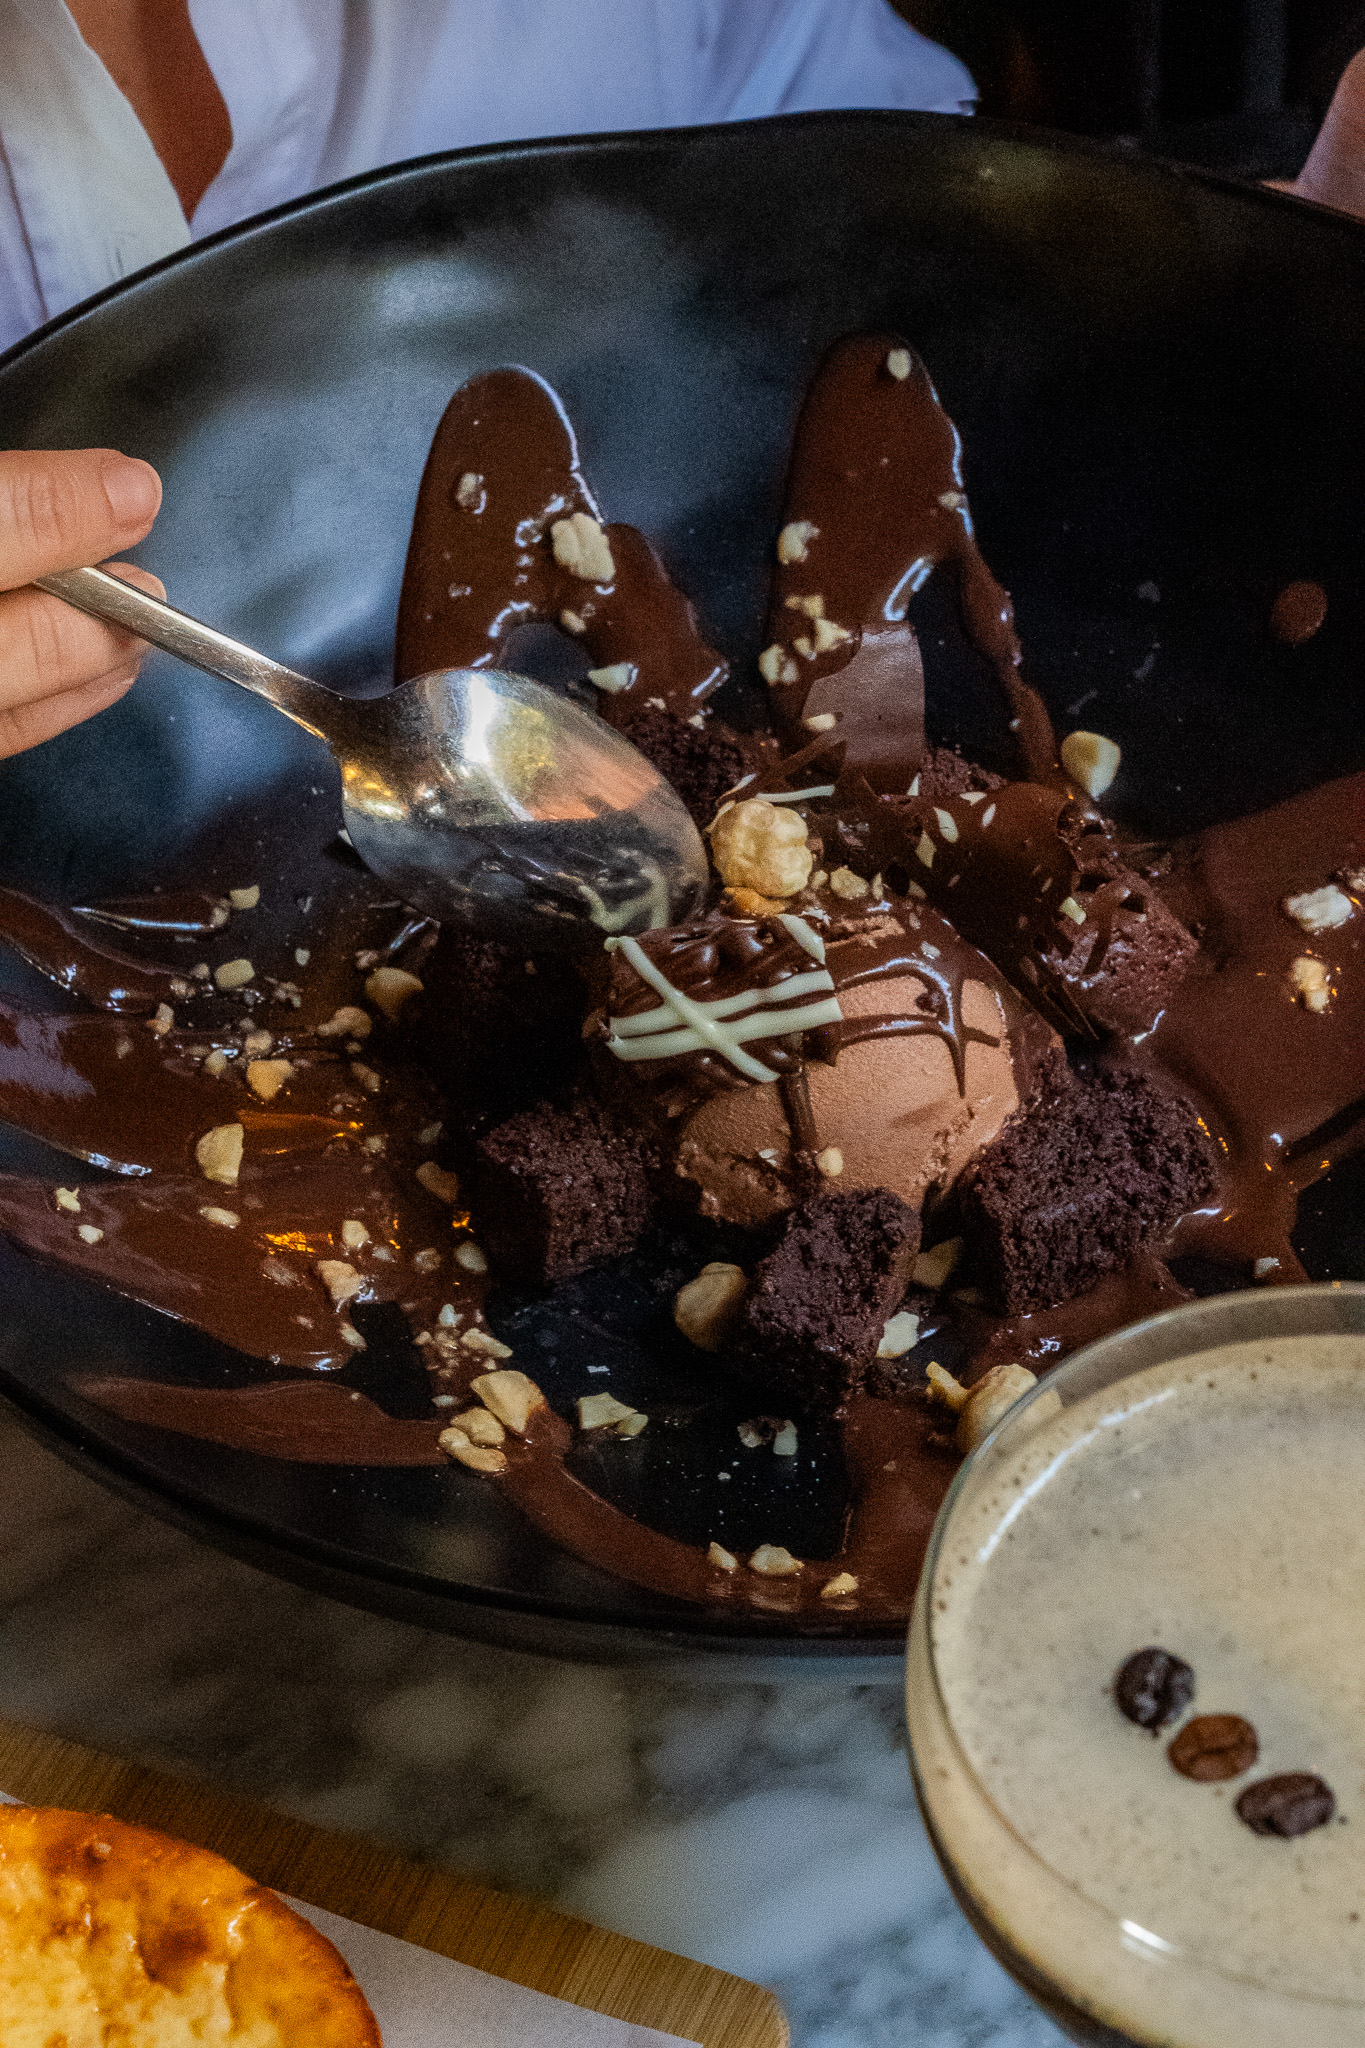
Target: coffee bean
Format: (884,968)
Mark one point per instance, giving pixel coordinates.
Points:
(1214,1746)
(1288,1805)
(1153,1688)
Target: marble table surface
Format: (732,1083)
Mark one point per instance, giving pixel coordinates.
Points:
(766,1829)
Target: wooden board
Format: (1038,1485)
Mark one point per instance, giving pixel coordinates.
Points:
(511,1937)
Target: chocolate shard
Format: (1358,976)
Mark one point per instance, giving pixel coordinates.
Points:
(1075,1187)
(814,1316)
(559,1191)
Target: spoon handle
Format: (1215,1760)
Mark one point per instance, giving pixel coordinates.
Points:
(122,604)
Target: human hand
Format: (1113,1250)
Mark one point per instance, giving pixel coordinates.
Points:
(65,510)
(1334,174)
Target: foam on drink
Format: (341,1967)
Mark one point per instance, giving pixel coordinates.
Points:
(1214,1506)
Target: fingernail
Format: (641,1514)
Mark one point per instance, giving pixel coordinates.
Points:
(133,489)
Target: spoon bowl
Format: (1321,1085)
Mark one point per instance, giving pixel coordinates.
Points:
(481,797)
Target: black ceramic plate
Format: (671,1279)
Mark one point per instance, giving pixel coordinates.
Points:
(1160,382)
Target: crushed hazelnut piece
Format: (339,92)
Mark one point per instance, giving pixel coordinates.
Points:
(776,666)
(845,883)
(793,543)
(429,1134)
(581,546)
(234,974)
(572,622)
(216,1063)
(762,846)
(1320,910)
(265,1078)
(369,1080)
(68,1199)
(830,1162)
(469,494)
(89,1233)
(1309,981)
(302,955)
(481,1426)
(122,1048)
(162,1021)
(925,851)
(819,721)
(952,501)
(219,1153)
(470,1257)
(426,1261)
(828,635)
(900,1335)
(1263,1268)
(947,825)
(724,1560)
(943,1387)
(447,1316)
(836,1588)
(784,1443)
(748,903)
(257,1042)
(245,899)
(376,1144)
(435,1179)
(391,989)
(511,1396)
(898,364)
(706,1307)
(341,1280)
(933,1268)
(1092,760)
(347,1022)
(349,1334)
(771,1561)
(180,987)
(485,1341)
(354,1234)
(478,1457)
(601,1411)
(619,676)
(1069,907)
(989,1400)
(226,1219)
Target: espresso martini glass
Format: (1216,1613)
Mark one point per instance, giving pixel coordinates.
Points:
(1194,1485)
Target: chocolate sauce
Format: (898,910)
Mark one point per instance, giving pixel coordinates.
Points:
(502,471)
(1298,612)
(876,472)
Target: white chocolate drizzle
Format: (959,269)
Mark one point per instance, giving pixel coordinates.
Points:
(681,1025)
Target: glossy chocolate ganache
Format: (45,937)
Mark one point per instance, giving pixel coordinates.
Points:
(339,1136)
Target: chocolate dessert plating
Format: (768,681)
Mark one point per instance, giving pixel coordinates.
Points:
(936,1088)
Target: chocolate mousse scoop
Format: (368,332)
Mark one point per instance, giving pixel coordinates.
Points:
(507,533)
(875,502)
(761,1054)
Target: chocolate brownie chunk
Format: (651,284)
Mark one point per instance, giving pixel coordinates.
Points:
(819,1302)
(700,762)
(558,1191)
(498,1028)
(1072,1189)
(944,772)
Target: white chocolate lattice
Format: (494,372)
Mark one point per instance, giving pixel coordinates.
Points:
(725,1026)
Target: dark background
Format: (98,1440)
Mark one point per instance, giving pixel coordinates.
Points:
(1237,85)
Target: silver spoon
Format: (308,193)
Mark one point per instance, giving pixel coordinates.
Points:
(481,797)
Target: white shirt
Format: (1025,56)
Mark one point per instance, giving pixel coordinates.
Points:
(319,90)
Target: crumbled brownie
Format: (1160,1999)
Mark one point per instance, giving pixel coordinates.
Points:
(820,1301)
(1073,1188)
(945,772)
(558,1191)
(701,762)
